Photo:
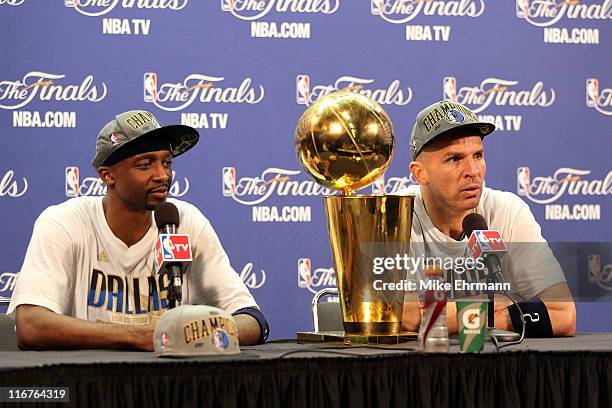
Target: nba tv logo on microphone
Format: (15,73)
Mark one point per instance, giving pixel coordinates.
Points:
(171,248)
(485,241)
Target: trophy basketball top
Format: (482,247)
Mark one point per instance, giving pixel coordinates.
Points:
(344,141)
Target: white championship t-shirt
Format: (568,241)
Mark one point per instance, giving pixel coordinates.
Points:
(529,267)
(76,266)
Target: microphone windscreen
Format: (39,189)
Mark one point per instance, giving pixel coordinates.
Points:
(166,214)
(473,222)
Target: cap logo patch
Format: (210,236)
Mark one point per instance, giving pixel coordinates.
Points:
(220,339)
(454,117)
(164,340)
(114,139)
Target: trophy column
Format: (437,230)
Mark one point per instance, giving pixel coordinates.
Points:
(361,230)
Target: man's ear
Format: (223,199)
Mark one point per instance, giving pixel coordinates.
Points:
(105,174)
(419,172)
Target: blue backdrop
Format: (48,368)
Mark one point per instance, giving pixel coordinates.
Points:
(242,72)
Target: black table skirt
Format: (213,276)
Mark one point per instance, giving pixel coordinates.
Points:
(510,379)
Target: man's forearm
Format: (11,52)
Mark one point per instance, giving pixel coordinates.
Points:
(39,328)
(562,317)
(561,309)
(248,329)
(559,304)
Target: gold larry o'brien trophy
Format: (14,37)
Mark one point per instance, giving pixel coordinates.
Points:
(345,142)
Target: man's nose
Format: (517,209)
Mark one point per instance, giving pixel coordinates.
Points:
(161,172)
(471,168)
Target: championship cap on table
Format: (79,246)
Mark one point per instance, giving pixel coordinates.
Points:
(195,330)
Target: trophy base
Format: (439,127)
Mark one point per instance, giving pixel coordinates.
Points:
(372,328)
(398,338)
(354,338)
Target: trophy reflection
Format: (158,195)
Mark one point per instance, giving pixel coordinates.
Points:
(345,141)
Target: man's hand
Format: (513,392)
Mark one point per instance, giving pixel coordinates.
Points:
(411,319)
(38,328)
(411,316)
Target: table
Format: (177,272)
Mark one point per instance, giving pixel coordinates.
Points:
(574,371)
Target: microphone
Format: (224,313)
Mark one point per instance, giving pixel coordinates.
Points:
(473,221)
(167,218)
(488,245)
(484,243)
(172,251)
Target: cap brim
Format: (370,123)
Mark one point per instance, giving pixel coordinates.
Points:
(212,355)
(484,128)
(181,137)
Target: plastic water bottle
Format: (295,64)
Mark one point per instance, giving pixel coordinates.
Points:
(433,333)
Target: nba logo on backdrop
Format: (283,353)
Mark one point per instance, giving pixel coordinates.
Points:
(304,273)
(450,89)
(598,98)
(229,181)
(227,5)
(378,187)
(594,267)
(150,87)
(592,92)
(377,7)
(522,8)
(72,181)
(522,181)
(599,274)
(302,88)
(317,279)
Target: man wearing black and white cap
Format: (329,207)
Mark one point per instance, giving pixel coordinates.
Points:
(449,166)
(87,280)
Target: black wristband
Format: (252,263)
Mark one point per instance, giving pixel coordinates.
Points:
(537,320)
(256,314)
